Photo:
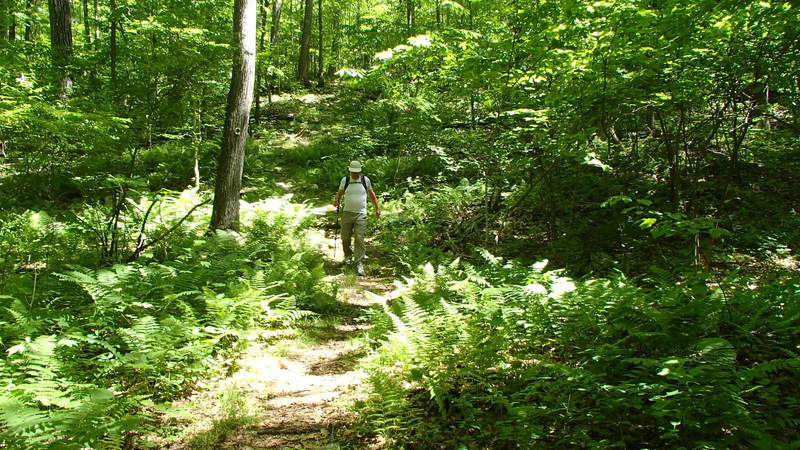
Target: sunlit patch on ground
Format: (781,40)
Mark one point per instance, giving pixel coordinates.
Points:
(283,185)
(305,98)
(296,384)
(787,262)
(303,383)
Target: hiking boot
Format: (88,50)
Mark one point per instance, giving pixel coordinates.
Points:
(360,269)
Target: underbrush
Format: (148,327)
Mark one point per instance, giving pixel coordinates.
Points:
(507,355)
(430,224)
(90,355)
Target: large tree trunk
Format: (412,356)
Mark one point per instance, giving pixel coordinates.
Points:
(277,8)
(86,28)
(305,44)
(61,41)
(321,61)
(231,157)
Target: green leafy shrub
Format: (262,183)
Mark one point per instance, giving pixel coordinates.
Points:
(432,220)
(510,355)
(291,263)
(34,241)
(87,353)
(49,144)
(171,165)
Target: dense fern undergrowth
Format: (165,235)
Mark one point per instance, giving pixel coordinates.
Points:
(91,356)
(649,150)
(505,355)
(623,339)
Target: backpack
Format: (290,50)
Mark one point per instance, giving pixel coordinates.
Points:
(363,181)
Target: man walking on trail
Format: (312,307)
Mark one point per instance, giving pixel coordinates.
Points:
(355,188)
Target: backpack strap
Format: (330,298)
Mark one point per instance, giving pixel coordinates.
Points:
(363,181)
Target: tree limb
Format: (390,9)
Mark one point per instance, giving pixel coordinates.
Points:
(144,247)
(140,239)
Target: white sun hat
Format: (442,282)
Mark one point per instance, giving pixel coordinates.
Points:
(355,166)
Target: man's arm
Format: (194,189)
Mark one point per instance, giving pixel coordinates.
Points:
(339,194)
(374,200)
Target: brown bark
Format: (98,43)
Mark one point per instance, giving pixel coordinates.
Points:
(305,44)
(86,28)
(410,13)
(5,19)
(96,27)
(277,8)
(61,41)
(334,53)
(262,35)
(240,97)
(12,26)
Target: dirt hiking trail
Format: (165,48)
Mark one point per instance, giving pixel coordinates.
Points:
(291,389)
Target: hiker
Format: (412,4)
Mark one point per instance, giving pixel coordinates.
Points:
(355,188)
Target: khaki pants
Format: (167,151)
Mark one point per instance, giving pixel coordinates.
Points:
(354,225)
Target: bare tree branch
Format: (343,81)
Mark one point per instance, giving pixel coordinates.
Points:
(144,247)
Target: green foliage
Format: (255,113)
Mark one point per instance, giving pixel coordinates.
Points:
(561,105)
(88,352)
(508,354)
(32,241)
(48,144)
(38,406)
(435,218)
(278,230)
(171,165)
(654,139)
(235,411)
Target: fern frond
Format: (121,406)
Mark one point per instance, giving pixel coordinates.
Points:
(19,418)
(765,368)
(90,284)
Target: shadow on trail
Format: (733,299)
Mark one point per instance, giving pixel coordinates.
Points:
(342,363)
